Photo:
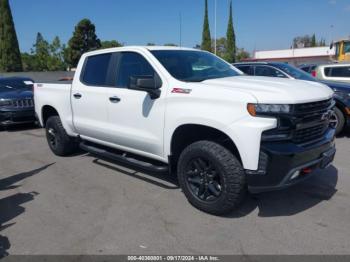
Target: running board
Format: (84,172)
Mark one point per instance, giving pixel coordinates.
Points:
(124,159)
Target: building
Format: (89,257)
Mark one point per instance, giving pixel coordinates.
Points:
(298,56)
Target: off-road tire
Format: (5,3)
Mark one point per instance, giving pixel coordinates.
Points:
(341,120)
(64,145)
(232,176)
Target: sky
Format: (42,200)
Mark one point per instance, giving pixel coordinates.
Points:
(259,24)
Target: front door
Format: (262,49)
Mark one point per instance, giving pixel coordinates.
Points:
(136,121)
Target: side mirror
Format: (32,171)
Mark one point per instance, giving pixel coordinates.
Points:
(149,84)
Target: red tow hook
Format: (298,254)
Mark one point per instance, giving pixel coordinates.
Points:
(306,171)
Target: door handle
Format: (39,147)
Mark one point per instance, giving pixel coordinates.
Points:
(114,99)
(77,96)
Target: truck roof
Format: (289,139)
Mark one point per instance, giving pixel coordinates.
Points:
(134,48)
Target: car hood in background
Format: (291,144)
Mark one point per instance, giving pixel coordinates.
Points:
(16,93)
(337,86)
(275,90)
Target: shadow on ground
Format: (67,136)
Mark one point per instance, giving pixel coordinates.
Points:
(11,206)
(296,199)
(163,180)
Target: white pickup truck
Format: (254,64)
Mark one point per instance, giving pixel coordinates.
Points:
(186,111)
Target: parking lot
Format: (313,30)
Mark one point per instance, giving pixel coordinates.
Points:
(82,205)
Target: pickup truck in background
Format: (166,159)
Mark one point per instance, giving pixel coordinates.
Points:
(184,111)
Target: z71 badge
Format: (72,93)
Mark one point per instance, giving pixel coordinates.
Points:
(181,91)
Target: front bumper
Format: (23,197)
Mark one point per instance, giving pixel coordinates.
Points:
(283,164)
(9,118)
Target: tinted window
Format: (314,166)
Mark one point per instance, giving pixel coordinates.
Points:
(306,69)
(347,47)
(268,71)
(343,71)
(295,72)
(194,66)
(244,69)
(96,69)
(132,64)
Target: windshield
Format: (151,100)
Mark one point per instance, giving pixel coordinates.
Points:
(11,84)
(295,72)
(194,66)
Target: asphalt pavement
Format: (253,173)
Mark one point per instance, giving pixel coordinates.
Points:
(82,205)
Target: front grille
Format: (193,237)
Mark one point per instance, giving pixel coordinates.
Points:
(310,134)
(314,107)
(308,122)
(23,103)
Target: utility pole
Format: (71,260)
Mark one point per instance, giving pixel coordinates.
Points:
(215,48)
(180,20)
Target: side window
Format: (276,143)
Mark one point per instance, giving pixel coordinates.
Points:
(96,69)
(343,71)
(268,71)
(327,71)
(245,69)
(132,64)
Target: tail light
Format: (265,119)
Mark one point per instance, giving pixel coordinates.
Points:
(313,73)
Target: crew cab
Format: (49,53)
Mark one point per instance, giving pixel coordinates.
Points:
(190,113)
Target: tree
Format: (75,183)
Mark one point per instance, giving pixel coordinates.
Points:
(41,53)
(231,40)
(302,41)
(45,56)
(84,39)
(110,44)
(242,54)
(206,38)
(170,44)
(10,56)
(313,41)
(307,41)
(220,46)
(151,44)
(55,61)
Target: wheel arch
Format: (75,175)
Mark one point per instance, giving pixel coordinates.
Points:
(187,134)
(46,112)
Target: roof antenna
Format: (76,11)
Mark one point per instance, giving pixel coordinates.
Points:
(180,20)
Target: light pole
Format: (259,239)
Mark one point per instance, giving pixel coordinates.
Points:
(215,46)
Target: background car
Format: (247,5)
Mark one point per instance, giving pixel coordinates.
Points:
(341,116)
(309,69)
(334,72)
(16,101)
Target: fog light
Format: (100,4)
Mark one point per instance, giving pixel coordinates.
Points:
(295,175)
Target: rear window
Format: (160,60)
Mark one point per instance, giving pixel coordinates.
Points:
(341,71)
(95,71)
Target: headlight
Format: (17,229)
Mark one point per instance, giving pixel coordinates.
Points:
(5,103)
(266,109)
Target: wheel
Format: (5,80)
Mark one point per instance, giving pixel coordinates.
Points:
(59,142)
(337,120)
(211,177)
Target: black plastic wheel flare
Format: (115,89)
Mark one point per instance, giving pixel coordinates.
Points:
(203,179)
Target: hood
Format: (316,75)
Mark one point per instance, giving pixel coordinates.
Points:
(16,93)
(337,86)
(275,90)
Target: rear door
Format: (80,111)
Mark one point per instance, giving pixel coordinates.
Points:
(89,96)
